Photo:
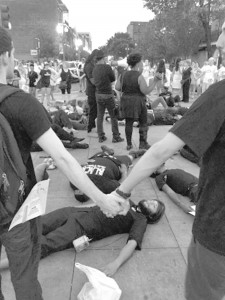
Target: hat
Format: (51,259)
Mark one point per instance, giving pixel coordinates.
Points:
(99,54)
(46,63)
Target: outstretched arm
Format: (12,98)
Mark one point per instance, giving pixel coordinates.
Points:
(111,268)
(180,200)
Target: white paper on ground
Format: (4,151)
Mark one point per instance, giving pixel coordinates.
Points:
(99,286)
(34,205)
(193,211)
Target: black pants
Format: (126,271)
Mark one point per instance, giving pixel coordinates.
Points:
(59,229)
(92,114)
(22,245)
(186,88)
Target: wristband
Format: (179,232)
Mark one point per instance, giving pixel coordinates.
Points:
(122,194)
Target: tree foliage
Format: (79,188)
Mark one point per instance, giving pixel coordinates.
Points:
(189,20)
(119,45)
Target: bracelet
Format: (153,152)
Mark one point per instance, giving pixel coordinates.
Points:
(122,194)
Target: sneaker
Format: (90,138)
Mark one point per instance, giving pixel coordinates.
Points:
(129,147)
(102,139)
(137,153)
(107,150)
(117,140)
(77,140)
(145,146)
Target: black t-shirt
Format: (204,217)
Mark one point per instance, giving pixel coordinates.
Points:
(202,128)
(28,120)
(97,226)
(104,173)
(103,77)
(32,75)
(45,77)
(178,180)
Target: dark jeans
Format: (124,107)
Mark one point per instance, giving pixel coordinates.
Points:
(60,228)
(186,88)
(92,114)
(205,278)
(22,245)
(106,101)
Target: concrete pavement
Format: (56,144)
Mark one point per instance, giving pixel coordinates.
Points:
(157,272)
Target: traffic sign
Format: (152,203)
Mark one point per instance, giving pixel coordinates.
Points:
(33,52)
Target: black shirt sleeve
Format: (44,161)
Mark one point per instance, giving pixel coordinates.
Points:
(33,117)
(201,124)
(161,180)
(138,229)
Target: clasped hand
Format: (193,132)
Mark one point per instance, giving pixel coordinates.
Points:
(114,205)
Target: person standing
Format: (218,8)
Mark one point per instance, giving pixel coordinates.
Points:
(66,79)
(186,81)
(103,77)
(176,78)
(202,129)
(44,76)
(90,90)
(32,77)
(133,86)
(29,122)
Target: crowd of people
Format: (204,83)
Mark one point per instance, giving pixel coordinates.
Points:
(202,129)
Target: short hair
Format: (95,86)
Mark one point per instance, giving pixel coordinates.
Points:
(133,59)
(6,44)
(152,217)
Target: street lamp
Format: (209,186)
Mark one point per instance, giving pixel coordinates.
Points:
(38,47)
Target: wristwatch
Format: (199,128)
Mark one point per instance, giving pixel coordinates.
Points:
(122,194)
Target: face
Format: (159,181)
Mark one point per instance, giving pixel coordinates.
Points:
(140,66)
(10,65)
(152,205)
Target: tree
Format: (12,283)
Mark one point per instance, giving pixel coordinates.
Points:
(202,11)
(119,45)
(48,43)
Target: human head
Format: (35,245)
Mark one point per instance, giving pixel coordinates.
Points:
(91,57)
(65,65)
(46,65)
(32,66)
(211,61)
(135,59)
(99,55)
(6,53)
(188,62)
(177,64)
(153,210)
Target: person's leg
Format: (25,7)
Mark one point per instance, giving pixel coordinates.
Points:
(61,237)
(48,91)
(22,244)
(100,116)
(78,126)
(157,101)
(143,129)
(128,131)
(61,133)
(1,295)
(42,94)
(110,105)
(68,89)
(205,277)
(92,113)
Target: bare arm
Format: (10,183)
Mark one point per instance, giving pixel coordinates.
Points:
(145,89)
(180,200)
(126,252)
(151,160)
(72,169)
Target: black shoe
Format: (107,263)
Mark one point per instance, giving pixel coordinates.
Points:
(117,140)
(75,145)
(145,146)
(81,197)
(129,147)
(137,153)
(107,150)
(102,139)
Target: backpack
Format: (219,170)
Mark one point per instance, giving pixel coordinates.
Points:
(12,168)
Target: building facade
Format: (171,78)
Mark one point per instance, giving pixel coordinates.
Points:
(137,31)
(32,22)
